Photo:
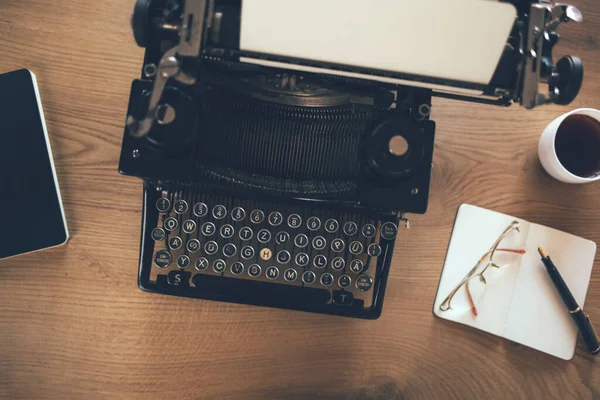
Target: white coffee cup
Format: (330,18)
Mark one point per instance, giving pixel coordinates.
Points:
(547,149)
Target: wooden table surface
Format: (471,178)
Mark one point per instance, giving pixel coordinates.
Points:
(74,325)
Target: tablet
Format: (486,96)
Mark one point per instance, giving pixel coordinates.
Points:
(33,217)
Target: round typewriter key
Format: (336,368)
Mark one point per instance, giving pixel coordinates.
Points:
(368,230)
(229,250)
(338,263)
(254,270)
(257,216)
(266,254)
(301,240)
(175,243)
(211,248)
(332,226)
(364,283)
(238,214)
(158,234)
(320,261)
(389,230)
(246,233)
(219,212)
(337,245)
(290,275)
(181,206)
(188,226)
(227,231)
(162,259)
(183,261)
(219,266)
(294,221)
(319,243)
(308,277)
(237,268)
(163,204)
(171,224)
(193,245)
(275,218)
(374,250)
(356,248)
(283,257)
(200,210)
(208,229)
(350,228)
(272,272)
(344,281)
(247,252)
(326,279)
(201,264)
(264,236)
(302,259)
(356,266)
(282,237)
(313,223)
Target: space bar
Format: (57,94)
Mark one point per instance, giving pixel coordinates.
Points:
(256,292)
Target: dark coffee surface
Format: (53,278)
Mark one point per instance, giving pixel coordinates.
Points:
(578,145)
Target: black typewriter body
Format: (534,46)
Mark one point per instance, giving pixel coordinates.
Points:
(254,156)
(267,186)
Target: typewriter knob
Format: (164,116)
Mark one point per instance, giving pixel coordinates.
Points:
(550,40)
(141,22)
(395,148)
(177,122)
(566,80)
(154,17)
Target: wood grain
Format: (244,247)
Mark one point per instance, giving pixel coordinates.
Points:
(74,325)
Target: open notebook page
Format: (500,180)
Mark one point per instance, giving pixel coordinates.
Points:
(475,231)
(538,317)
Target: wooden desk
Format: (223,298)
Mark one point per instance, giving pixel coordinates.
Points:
(73,323)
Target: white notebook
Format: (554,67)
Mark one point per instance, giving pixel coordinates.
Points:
(523,304)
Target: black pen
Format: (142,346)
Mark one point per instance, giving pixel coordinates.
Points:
(590,337)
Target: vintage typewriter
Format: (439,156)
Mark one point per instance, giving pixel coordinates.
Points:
(282,142)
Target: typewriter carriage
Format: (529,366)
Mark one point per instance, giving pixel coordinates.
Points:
(204,29)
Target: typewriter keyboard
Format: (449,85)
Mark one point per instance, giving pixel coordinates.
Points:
(203,234)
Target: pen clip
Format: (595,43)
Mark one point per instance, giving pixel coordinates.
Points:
(593,329)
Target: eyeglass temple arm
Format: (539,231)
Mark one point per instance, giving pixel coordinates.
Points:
(445,305)
(468,276)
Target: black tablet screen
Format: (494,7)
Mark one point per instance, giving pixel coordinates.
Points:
(32,215)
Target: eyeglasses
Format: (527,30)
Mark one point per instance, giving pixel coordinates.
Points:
(469,292)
